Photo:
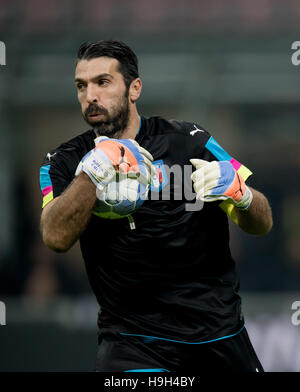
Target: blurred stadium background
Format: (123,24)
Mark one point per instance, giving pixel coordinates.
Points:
(225,64)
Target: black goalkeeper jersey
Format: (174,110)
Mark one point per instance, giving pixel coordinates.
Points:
(173,276)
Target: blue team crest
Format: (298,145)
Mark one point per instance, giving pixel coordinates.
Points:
(160,179)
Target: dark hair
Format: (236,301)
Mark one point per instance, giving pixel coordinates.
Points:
(128,62)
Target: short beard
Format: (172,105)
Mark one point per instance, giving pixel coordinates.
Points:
(115,124)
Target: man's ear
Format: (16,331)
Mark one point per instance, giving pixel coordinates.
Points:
(135,90)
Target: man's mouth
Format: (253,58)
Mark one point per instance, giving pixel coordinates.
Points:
(95,115)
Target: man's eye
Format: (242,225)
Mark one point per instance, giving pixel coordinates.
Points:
(102,82)
(80,86)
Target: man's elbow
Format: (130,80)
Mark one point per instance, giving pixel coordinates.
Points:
(261,229)
(58,244)
(267,225)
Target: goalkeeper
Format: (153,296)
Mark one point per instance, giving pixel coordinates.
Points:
(168,290)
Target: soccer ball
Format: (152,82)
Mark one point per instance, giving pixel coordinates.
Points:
(120,199)
(129,189)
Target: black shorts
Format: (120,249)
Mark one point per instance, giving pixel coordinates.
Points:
(123,353)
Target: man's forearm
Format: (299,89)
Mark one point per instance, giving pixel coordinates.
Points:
(66,217)
(257,219)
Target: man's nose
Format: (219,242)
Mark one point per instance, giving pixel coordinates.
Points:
(91,94)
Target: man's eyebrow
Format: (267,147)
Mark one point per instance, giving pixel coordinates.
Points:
(96,77)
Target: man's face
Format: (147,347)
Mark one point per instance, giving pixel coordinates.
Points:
(102,95)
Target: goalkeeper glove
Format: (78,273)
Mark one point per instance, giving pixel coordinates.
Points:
(146,159)
(97,165)
(218,180)
(104,162)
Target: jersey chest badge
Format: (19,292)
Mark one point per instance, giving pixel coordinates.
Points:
(160,178)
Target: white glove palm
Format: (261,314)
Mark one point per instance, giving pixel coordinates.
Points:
(97,165)
(218,180)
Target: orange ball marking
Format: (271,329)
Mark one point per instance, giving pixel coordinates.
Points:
(120,156)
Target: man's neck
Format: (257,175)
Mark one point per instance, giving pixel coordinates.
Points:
(132,128)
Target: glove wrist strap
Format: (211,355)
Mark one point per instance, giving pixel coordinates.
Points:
(93,179)
(246,200)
